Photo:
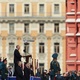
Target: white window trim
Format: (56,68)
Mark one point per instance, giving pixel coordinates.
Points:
(78,12)
(38,14)
(30,47)
(0,9)
(78,20)
(29,28)
(72,55)
(70,34)
(44,28)
(7,46)
(14,28)
(70,61)
(78,34)
(70,20)
(0,28)
(70,13)
(59,28)
(59,46)
(14,9)
(30,7)
(59,9)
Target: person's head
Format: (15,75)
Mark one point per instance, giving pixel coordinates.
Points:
(27,65)
(20,63)
(54,56)
(5,61)
(17,47)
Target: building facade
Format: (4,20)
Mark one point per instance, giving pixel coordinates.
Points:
(72,35)
(42,21)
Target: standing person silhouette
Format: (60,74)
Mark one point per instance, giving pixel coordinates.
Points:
(54,66)
(17,58)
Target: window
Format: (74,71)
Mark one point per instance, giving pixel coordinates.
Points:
(41,28)
(41,47)
(56,28)
(41,8)
(11,8)
(11,48)
(11,28)
(26,8)
(27,48)
(56,8)
(56,47)
(26,28)
(41,67)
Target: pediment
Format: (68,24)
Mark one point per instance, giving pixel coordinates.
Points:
(56,38)
(27,37)
(12,37)
(41,36)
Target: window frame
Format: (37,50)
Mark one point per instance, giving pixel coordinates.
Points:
(12,11)
(41,10)
(12,29)
(56,11)
(41,28)
(56,28)
(25,28)
(27,47)
(56,47)
(11,49)
(26,8)
(41,48)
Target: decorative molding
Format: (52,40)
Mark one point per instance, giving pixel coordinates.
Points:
(11,38)
(27,37)
(41,37)
(32,19)
(57,37)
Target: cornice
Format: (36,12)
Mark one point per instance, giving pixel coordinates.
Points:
(32,19)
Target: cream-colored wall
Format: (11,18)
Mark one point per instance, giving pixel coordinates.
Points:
(34,29)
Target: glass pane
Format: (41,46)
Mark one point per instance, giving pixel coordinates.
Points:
(26,8)
(56,8)
(56,47)
(11,28)
(56,27)
(26,28)
(41,8)
(41,28)
(11,8)
(11,48)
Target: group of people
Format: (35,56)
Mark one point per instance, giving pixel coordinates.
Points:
(18,71)
(25,73)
